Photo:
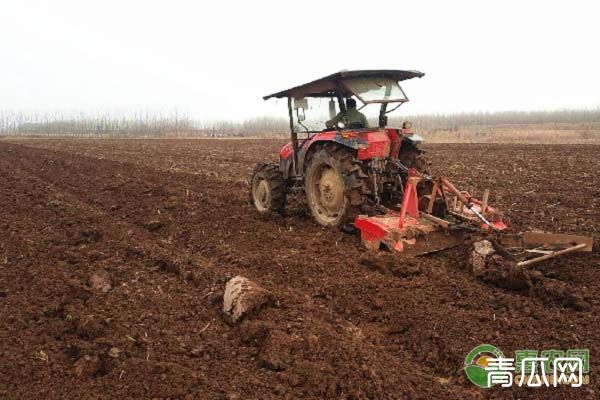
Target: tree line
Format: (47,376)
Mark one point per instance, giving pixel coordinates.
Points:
(175,124)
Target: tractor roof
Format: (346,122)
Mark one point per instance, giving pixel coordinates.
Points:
(326,86)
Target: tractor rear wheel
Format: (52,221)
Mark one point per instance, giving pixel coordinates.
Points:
(334,186)
(268,188)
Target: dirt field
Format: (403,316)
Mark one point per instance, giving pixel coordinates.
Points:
(114,255)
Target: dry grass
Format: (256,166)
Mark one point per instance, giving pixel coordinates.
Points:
(519,133)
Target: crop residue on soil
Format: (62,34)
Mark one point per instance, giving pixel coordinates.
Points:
(114,255)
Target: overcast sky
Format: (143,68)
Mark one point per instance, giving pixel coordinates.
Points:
(216,59)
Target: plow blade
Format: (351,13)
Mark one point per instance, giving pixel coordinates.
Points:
(411,236)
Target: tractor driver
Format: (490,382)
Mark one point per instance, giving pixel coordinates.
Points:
(352,117)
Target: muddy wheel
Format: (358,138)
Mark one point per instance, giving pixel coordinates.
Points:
(268,188)
(334,186)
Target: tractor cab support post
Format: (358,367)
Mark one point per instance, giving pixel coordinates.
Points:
(340,99)
(382,116)
(294,137)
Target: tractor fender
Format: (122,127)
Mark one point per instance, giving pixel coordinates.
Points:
(328,137)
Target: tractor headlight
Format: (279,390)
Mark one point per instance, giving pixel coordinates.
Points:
(341,125)
(406,125)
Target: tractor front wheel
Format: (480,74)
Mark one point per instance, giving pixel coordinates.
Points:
(268,188)
(334,186)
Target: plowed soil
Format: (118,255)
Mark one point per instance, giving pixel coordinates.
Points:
(114,255)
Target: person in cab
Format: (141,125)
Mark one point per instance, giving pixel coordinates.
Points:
(352,118)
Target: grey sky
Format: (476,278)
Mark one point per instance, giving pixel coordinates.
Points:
(215,59)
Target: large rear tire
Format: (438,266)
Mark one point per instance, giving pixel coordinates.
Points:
(334,184)
(268,188)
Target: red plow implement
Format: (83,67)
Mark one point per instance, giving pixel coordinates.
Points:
(429,223)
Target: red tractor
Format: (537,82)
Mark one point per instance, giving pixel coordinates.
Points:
(346,168)
(376,177)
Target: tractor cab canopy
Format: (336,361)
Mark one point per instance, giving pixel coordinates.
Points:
(370,86)
(312,106)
